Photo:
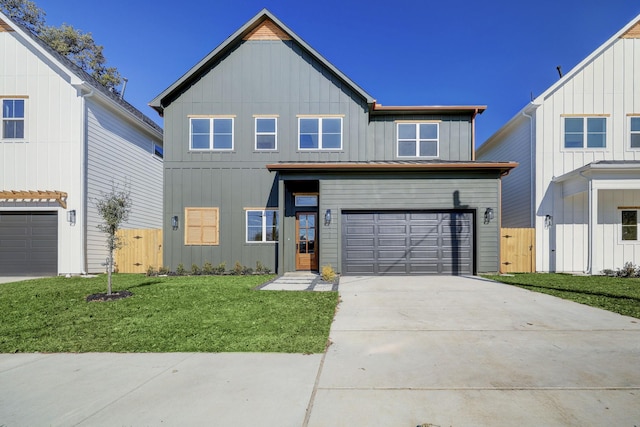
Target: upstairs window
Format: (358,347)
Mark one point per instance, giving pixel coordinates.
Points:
(629,225)
(585,132)
(266,133)
(320,133)
(13,118)
(418,139)
(634,125)
(158,151)
(262,225)
(212,133)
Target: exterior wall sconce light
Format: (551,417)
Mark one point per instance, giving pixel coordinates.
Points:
(327,217)
(175,223)
(71,217)
(548,221)
(488,215)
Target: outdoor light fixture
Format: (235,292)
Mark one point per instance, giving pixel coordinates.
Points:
(548,221)
(488,215)
(327,217)
(174,222)
(71,217)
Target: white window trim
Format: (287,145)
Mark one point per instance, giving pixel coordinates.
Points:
(211,141)
(24,118)
(320,118)
(620,239)
(418,139)
(264,225)
(630,133)
(584,148)
(275,133)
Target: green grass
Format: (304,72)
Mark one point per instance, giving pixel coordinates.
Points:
(165,314)
(609,293)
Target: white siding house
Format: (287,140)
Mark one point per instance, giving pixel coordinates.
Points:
(578,145)
(64,140)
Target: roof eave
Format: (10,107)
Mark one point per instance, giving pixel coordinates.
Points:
(502,167)
(432,109)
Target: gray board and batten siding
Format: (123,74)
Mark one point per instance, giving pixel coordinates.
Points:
(287,79)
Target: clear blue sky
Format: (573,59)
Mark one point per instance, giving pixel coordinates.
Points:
(402,52)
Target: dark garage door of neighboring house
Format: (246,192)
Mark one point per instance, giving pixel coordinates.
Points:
(407,242)
(28,243)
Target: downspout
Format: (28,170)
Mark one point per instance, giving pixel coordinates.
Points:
(531,171)
(589,224)
(83,181)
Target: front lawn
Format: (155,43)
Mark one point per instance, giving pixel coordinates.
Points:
(610,293)
(165,314)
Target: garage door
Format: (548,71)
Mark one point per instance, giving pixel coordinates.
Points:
(409,242)
(28,243)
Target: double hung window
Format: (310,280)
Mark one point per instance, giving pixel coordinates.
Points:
(320,133)
(211,133)
(418,140)
(13,118)
(585,132)
(629,225)
(634,126)
(266,133)
(262,225)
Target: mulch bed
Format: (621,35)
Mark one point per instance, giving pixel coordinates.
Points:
(104,297)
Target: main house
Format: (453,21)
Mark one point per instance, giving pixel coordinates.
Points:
(64,139)
(274,156)
(578,145)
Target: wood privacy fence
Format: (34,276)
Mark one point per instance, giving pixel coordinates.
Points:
(141,249)
(517,250)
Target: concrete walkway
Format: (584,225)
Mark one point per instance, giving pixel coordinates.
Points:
(406,351)
(299,281)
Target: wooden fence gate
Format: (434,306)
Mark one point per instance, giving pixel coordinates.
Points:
(517,250)
(141,249)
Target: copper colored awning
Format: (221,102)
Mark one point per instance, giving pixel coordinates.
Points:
(13,195)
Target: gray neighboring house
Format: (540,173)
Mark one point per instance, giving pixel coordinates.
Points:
(273,155)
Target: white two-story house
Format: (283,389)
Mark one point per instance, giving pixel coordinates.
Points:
(578,146)
(64,140)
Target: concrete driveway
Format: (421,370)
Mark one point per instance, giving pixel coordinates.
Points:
(457,351)
(406,351)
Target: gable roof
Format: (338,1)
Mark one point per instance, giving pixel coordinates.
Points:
(78,77)
(262,26)
(630,30)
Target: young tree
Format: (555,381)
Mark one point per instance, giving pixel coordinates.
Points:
(113,208)
(79,47)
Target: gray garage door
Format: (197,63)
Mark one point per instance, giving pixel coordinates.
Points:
(408,242)
(28,243)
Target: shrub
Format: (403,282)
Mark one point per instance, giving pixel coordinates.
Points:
(628,270)
(180,271)
(261,268)
(328,274)
(151,271)
(195,270)
(237,269)
(220,269)
(163,271)
(207,268)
